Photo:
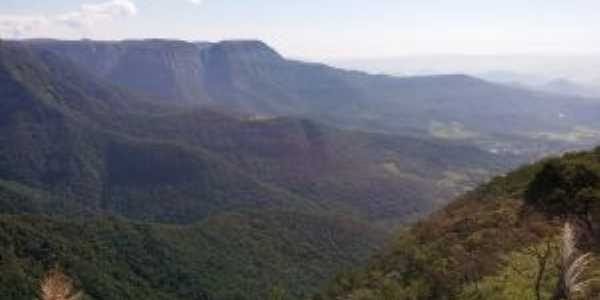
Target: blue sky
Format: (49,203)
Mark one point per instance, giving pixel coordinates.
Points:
(321,29)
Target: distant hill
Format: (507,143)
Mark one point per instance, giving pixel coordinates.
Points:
(251,77)
(568,87)
(558,86)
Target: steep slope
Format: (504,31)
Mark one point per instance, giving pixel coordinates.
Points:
(74,136)
(53,140)
(251,77)
(501,241)
(169,69)
(399,176)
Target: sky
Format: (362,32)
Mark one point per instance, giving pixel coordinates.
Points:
(324,29)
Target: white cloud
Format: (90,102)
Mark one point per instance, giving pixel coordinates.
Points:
(21,26)
(81,20)
(90,14)
(196,2)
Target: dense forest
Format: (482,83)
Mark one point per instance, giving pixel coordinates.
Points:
(532,234)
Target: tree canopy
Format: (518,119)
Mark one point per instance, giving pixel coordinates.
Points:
(565,188)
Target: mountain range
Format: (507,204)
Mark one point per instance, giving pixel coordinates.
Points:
(251,77)
(166,169)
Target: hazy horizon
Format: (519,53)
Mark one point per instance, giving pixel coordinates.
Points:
(323,30)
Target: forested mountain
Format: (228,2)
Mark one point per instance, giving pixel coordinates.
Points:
(532,234)
(250,77)
(163,169)
(98,146)
(166,201)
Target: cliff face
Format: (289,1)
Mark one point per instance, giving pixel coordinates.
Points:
(180,72)
(246,76)
(171,70)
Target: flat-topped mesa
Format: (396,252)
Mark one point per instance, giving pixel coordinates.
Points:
(244,50)
(175,70)
(101,57)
